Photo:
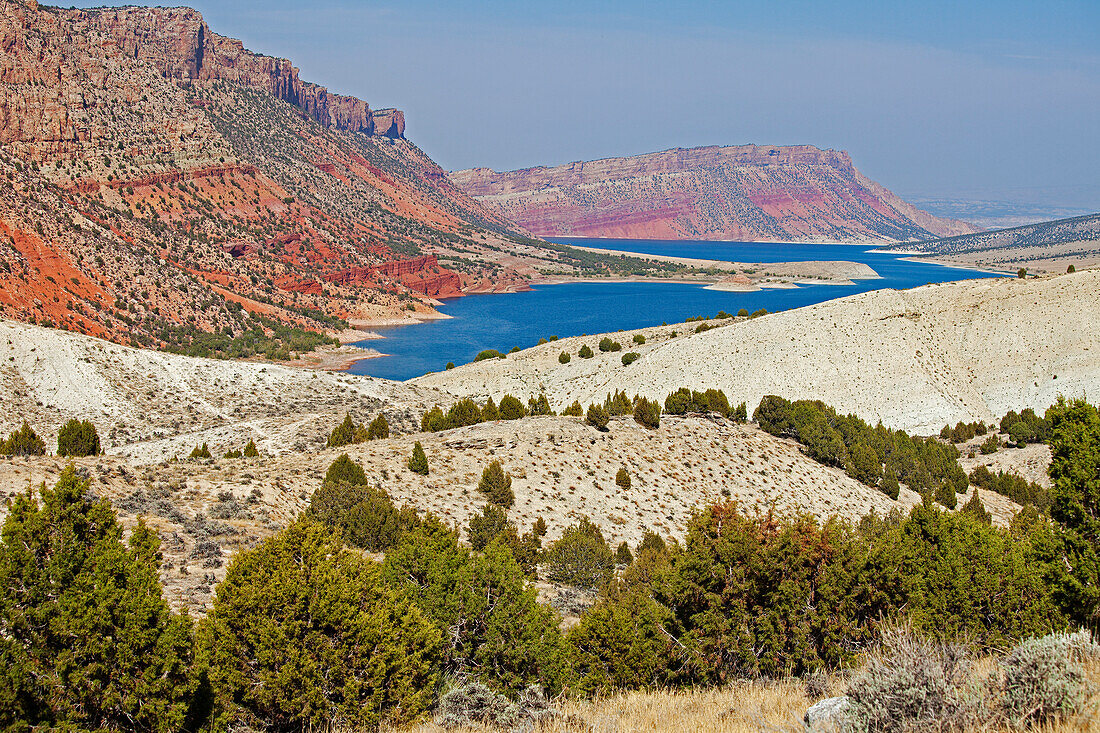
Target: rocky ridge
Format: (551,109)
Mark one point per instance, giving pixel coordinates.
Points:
(744,193)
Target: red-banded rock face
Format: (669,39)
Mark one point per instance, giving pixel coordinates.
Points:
(748,192)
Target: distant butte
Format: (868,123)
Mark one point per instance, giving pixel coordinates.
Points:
(746,192)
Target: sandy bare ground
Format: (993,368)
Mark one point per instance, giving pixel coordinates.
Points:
(915,359)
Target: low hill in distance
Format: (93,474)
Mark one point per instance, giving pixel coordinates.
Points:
(742,193)
(914,359)
(1049,246)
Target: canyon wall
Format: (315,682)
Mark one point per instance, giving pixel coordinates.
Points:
(747,192)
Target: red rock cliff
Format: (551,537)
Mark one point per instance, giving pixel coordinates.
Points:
(748,192)
(180,44)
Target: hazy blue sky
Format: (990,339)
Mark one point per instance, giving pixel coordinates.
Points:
(978,98)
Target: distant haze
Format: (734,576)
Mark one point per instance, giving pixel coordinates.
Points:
(991,100)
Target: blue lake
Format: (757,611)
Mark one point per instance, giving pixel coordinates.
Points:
(520,319)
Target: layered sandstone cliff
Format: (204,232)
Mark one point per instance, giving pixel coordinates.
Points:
(748,192)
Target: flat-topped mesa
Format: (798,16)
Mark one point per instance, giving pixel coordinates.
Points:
(179,43)
(747,192)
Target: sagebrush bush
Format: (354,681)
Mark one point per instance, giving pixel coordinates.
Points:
(909,683)
(474,705)
(1044,678)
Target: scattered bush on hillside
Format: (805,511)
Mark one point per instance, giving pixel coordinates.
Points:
(418,461)
(585,352)
(684,401)
(23,442)
(511,408)
(88,641)
(343,434)
(975,508)
(236,453)
(250,450)
(78,438)
(489,411)
(433,420)
(963,432)
(488,354)
(618,404)
(865,453)
(622,478)
(1025,427)
(581,557)
(574,410)
(647,413)
(1011,485)
(564,358)
(990,445)
(639,339)
(362,515)
(345,471)
(201,451)
(630,357)
(378,428)
(740,413)
(623,555)
(539,406)
(597,417)
(496,485)
(276,638)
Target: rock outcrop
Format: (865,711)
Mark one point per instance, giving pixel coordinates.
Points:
(180,43)
(748,192)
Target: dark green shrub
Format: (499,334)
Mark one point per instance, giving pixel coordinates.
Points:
(345,471)
(233,454)
(78,438)
(250,450)
(630,357)
(639,339)
(202,451)
(647,413)
(540,406)
(490,413)
(623,643)
(378,428)
(23,442)
(574,410)
(286,651)
(496,631)
(343,434)
(618,404)
(433,420)
(581,557)
(487,526)
(740,413)
(597,417)
(990,445)
(564,358)
(488,354)
(605,344)
(87,641)
(622,478)
(462,413)
(743,313)
(418,461)
(511,408)
(362,515)
(976,509)
(585,352)
(496,485)
(623,555)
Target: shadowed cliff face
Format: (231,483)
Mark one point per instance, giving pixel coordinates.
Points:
(748,192)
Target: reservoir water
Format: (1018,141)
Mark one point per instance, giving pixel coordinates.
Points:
(520,319)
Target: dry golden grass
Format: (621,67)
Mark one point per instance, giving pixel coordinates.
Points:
(747,706)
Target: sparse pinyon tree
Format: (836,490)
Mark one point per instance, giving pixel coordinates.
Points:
(418,462)
(496,485)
